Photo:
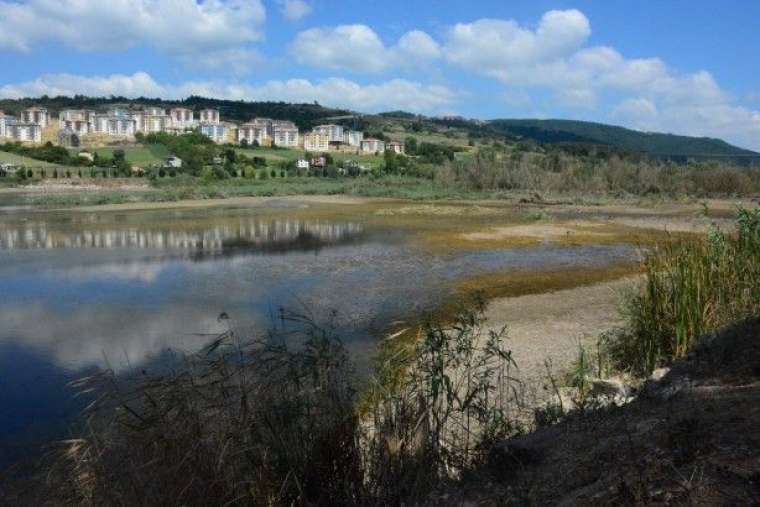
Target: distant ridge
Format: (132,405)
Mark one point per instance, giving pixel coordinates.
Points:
(651,143)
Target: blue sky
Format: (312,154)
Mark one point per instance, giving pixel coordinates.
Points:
(688,67)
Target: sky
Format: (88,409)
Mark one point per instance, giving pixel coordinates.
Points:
(686,67)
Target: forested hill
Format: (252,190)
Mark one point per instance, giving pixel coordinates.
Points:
(652,143)
(303,115)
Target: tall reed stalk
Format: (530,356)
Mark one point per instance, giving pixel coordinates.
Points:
(691,288)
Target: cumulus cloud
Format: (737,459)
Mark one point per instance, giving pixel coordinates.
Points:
(358,48)
(182,28)
(294,10)
(339,92)
(554,56)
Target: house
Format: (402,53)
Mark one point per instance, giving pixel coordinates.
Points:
(314,141)
(354,137)
(302,163)
(284,134)
(216,132)
(182,118)
(396,147)
(35,115)
(334,133)
(25,132)
(173,162)
(208,116)
(7,169)
(373,146)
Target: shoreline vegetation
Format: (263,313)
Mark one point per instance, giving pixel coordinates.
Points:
(270,420)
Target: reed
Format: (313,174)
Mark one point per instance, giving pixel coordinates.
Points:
(690,288)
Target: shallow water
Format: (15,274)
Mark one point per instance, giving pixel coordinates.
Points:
(82,291)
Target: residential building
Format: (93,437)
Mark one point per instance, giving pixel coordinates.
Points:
(173,162)
(6,121)
(35,115)
(373,146)
(182,118)
(302,163)
(154,111)
(396,147)
(208,116)
(67,137)
(151,123)
(353,137)
(73,115)
(25,132)
(253,133)
(284,134)
(319,162)
(334,133)
(315,141)
(2,125)
(215,132)
(79,127)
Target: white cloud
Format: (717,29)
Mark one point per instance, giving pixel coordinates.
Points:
(358,48)
(182,28)
(338,92)
(294,10)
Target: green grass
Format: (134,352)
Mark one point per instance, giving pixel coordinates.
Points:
(690,289)
(12,158)
(138,155)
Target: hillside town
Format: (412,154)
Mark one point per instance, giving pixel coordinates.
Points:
(75,127)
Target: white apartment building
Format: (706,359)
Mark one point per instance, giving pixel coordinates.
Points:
(151,123)
(35,115)
(252,133)
(79,127)
(284,134)
(353,137)
(216,132)
(208,116)
(72,115)
(2,125)
(315,141)
(182,118)
(373,146)
(334,133)
(25,132)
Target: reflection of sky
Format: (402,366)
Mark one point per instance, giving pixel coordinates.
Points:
(64,311)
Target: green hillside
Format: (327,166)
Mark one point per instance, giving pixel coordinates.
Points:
(656,144)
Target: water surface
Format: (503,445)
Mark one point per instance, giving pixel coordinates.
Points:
(83,291)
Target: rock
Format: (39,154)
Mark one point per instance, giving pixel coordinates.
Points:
(658,374)
(609,388)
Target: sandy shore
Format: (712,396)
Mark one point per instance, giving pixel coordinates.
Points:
(551,325)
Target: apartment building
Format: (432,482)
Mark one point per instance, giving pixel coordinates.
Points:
(182,118)
(79,127)
(208,116)
(216,132)
(71,115)
(314,141)
(334,133)
(373,146)
(353,138)
(253,133)
(2,125)
(35,115)
(25,132)
(284,134)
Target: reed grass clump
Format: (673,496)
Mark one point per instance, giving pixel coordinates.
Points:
(275,421)
(691,288)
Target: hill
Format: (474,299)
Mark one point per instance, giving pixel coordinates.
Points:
(651,143)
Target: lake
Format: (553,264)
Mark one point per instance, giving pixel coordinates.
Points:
(81,291)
